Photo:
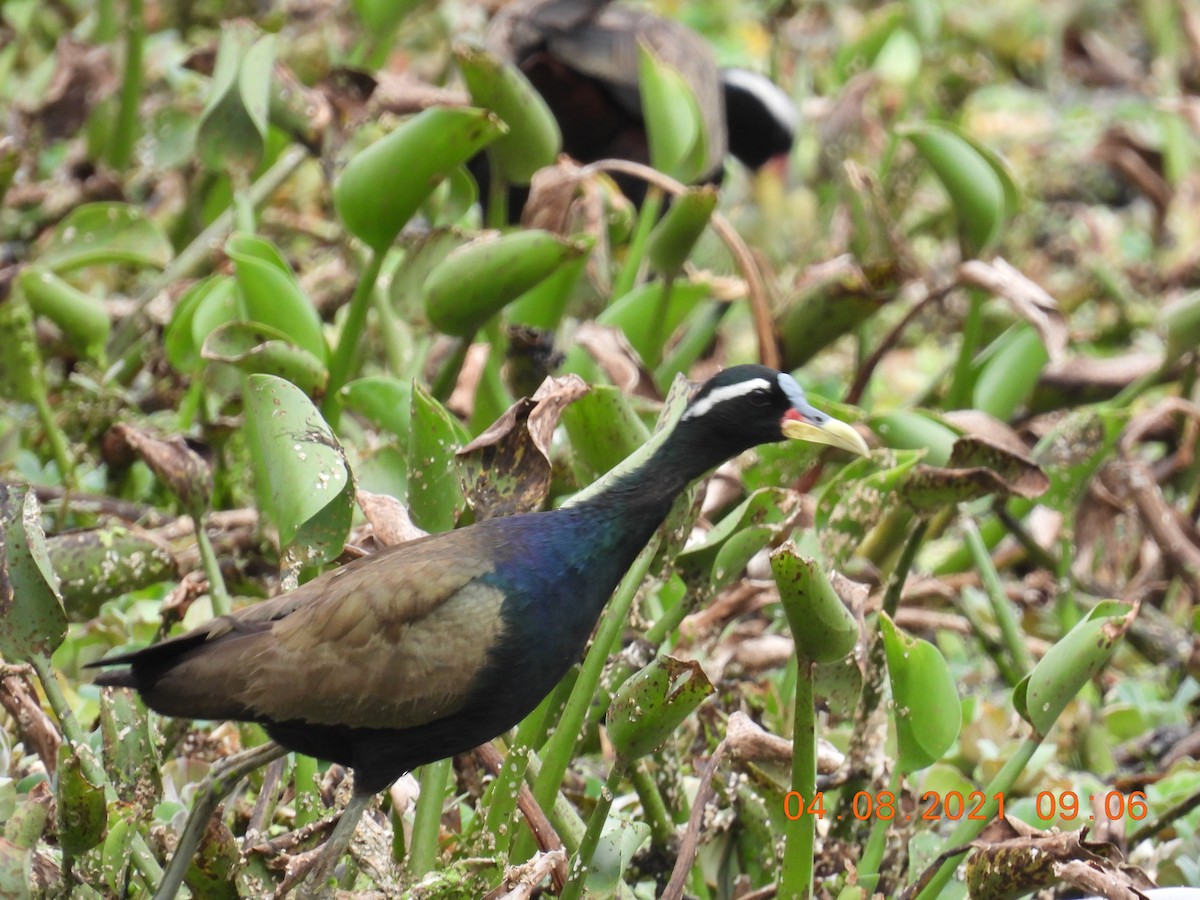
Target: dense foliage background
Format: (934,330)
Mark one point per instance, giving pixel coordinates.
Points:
(230,335)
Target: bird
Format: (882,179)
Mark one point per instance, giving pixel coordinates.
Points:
(435,646)
(582,57)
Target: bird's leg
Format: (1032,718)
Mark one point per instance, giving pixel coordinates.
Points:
(217,785)
(335,846)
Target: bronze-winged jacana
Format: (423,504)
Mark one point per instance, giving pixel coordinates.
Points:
(430,648)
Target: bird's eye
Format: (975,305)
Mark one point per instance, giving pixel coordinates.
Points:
(760,398)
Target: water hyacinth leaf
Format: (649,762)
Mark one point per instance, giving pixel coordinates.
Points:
(80,805)
(233,127)
(211,875)
(382,401)
(32,618)
(910,429)
(533,140)
(301,478)
(673,406)
(674,124)
(383,16)
(610,863)
(976,191)
(857,499)
(822,627)
(384,185)
(101,563)
(653,703)
(118,847)
(763,507)
(435,498)
(204,306)
(928,713)
(833,301)
(125,734)
(452,199)
(253,347)
(1010,372)
(646,315)
(675,235)
(604,429)
(1179,321)
(272,294)
(477,280)
(1075,448)
(1068,665)
(543,305)
(82,318)
(106,233)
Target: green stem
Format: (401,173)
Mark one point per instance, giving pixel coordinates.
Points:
(346,355)
(560,748)
(891,599)
(120,150)
(872,855)
(447,376)
(427,822)
(212,570)
(958,396)
(1002,607)
(654,809)
(562,815)
(591,838)
(627,277)
(143,859)
(202,248)
(969,829)
(58,442)
(796,874)
(659,323)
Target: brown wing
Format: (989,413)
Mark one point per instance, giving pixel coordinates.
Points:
(365,645)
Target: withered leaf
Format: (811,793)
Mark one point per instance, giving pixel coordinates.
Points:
(175,464)
(508,465)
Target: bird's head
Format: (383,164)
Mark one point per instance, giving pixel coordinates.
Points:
(744,406)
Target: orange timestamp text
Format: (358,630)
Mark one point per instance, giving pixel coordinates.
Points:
(974,806)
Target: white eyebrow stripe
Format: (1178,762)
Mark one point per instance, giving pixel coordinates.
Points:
(721,394)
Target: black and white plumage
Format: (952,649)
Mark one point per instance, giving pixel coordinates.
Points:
(582,57)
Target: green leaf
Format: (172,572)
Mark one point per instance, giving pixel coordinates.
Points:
(272,293)
(603,429)
(1010,372)
(435,497)
(201,310)
(384,402)
(674,125)
(233,127)
(675,235)
(384,185)
(1179,321)
(928,713)
(976,190)
(252,347)
(81,316)
(1070,664)
(477,280)
(648,316)
(822,627)
(911,429)
(533,140)
(653,703)
(105,233)
(80,805)
(300,474)
(32,618)
(747,526)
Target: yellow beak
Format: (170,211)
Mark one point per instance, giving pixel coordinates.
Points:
(833,432)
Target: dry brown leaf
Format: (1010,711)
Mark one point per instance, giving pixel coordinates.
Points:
(1028,299)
